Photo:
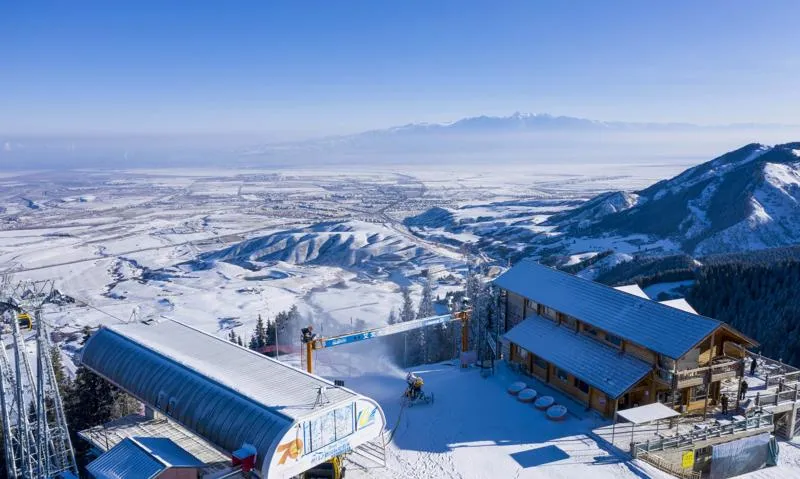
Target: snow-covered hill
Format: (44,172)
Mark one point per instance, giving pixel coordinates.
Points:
(352,244)
(744,200)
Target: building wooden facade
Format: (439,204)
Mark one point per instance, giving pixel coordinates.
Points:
(611,349)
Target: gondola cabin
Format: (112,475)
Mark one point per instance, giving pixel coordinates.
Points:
(24,320)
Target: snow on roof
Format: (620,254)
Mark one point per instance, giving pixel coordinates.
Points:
(282,389)
(126,459)
(633,289)
(648,413)
(663,329)
(598,365)
(225,393)
(106,436)
(167,452)
(681,304)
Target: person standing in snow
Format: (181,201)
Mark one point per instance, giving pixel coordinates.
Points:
(724,404)
(753,365)
(743,390)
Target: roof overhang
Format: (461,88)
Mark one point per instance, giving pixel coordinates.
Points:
(602,367)
(648,413)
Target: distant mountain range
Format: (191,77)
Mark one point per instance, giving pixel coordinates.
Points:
(518,138)
(515,123)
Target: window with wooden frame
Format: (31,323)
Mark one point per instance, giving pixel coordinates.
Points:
(531,307)
(613,339)
(569,321)
(582,386)
(562,375)
(699,392)
(540,363)
(591,330)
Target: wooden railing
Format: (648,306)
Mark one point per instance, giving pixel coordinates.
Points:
(706,372)
(763,419)
(670,468)
(780,397)
(776,379)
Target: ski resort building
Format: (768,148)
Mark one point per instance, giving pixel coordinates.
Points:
(146,457)
(614,349)
(255,409)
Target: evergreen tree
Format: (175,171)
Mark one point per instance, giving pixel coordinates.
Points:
(410,339)
(58,368)
(293,323)
(261,333)
(253,344)
(271,325)
(407,310)
(426,309)
(89,402)
(239,340)
(483,305)
(232,336)
(426,338)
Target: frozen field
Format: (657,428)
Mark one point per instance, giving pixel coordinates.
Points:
(217,247)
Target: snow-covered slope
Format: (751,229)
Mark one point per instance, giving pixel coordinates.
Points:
(351,244)
(598,207)
(744,200)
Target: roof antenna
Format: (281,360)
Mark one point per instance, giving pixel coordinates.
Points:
(322,398)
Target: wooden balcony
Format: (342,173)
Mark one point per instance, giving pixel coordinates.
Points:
(727,368)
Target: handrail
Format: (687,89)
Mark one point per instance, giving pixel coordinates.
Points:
(679,440)
(726,366)
(773,399)
(670,468)
(784,378)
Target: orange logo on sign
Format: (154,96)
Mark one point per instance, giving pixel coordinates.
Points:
(290,449)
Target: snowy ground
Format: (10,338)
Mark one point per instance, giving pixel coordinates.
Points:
(126,245)
(475,429)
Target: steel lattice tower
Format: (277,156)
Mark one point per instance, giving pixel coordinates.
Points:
(36,438)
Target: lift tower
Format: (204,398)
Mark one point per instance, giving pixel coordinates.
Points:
(36,439)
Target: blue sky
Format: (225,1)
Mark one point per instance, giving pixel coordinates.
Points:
(323,67)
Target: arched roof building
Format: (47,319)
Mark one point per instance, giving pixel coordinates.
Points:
(232,396)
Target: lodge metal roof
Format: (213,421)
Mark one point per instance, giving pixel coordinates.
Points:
(663,329)
(598,365)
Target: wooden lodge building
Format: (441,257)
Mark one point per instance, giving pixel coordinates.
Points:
(612,349)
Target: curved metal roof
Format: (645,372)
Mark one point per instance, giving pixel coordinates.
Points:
(223,392)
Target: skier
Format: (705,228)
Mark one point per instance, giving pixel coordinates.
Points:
(414,385)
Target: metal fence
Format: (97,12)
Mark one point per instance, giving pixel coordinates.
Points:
(764,419)
(670,468)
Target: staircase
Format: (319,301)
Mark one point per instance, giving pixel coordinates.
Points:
(370,455)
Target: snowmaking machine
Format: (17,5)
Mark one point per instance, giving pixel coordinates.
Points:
(414,393)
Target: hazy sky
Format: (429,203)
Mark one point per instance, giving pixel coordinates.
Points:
(321,67)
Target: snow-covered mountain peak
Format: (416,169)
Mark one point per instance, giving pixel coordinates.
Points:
(746,199)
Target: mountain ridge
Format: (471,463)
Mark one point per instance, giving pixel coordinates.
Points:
(746,199)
